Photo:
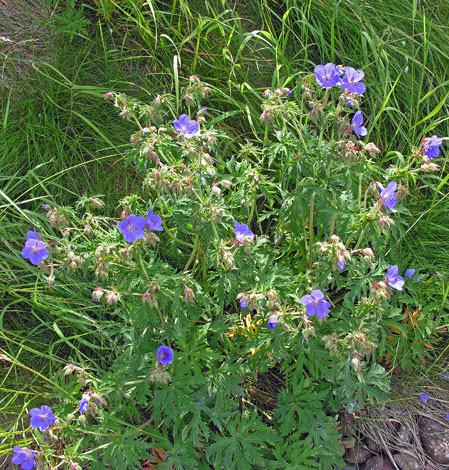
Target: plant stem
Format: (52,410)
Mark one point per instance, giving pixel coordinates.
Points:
(312,203)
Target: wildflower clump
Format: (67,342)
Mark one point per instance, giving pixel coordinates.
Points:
(236,261)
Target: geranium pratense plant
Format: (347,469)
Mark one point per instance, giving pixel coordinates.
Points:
(195,309)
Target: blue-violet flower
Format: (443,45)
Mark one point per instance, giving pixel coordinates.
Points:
(356,125)
(327,75)
(24,457)
(154,222)
(432,147)
(389,197)
(42,418)
(35,250)
(242,231)
(393,278)
(315,304)
(164,355)
(351,81)
(186,126)
(132,228)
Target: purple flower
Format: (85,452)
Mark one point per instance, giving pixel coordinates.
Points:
(242,231)
(445,375)
(164,355)
(327,75)
(356,125)
(132,228)
(287,91)
(393,278)
(424,397)
(83,405)
(351,81)
(341,264)
(154,222)
(315,304)
(32,235)
(186,126)
(35,250)
(243,303)
(272,322)
(24,457)
(404,412)
(447,416)
(389,197)
(419,279)
(42,418)
(409,273)
(432,147)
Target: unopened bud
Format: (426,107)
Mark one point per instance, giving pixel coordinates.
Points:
(97,294)
(82,420)
(108,95)
(189,296)
(112,297)
(215,190)
(69,369)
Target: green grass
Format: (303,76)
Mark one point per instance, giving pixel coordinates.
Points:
(59,139)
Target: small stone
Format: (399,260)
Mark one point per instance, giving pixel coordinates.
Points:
(357,455)
(387,465)
(407,462)
(428,425)
(374,463)
(437,446)
(405,435)
(373,446)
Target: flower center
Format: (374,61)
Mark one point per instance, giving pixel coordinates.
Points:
(163,355)
(131,228)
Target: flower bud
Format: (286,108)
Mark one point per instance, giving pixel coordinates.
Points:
(189,296)
(356,363)
(112,297)
(215,190)
(88,229)
(97,202)
(70,418)
(108,95)
(69,369)
(205,91)
(82,419)
(226,183)
(97,294)
(371,148)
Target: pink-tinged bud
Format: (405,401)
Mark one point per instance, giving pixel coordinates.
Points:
(82,420)
(385,222)
(267,93)
(356,363)
(226,183)
(335,239)
(146,299)
(97,294)
(215,190)
(367,253)
(51,280)
(88,229)
(157,101)
(189,296)
(188,98)
(108,95)
(97,202)
(69,369)
(53,220)
(427,167)
(112,297)
(193,78)
(205,91)
(124,214)
(371,148)
(74,466)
